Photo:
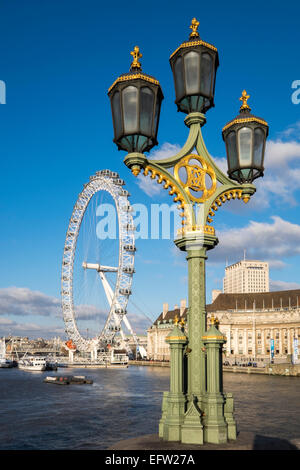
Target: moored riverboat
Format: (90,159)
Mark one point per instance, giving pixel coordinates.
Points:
(32,363)
(67,380)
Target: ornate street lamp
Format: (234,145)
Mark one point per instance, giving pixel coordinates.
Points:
(245,137)
(195,410)
(194,65)
(135,102)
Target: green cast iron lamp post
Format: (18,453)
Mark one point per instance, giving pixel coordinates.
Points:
(196,409)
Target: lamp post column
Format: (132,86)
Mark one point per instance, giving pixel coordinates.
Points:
(197,322)
(196,246)
(215,425)
(175,400)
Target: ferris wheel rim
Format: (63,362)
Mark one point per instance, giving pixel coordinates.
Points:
(102,181)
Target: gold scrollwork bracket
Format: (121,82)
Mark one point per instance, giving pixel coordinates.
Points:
(166,179)
(226,196)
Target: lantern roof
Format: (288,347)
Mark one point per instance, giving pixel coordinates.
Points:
(194,40)
(245,115)
(135,72)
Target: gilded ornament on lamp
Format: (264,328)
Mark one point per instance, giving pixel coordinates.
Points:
(244,121)
(174,190)
(196,177)
(194,27)
(135,170)
(136,56)
(226,196)
(194,43)
(188,229)
(244,98)
(136,76)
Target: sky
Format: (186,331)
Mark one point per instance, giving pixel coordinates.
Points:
(57,60)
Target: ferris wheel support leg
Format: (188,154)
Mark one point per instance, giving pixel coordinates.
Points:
(94,354)
(71,356)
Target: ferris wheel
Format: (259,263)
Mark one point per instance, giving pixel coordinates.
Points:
(117,296)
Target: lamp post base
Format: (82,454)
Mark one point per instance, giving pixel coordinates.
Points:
(215,426)
(192,429)
(174,419)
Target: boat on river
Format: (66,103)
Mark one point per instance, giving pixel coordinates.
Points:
(4,362)
(68,379)
(32,363)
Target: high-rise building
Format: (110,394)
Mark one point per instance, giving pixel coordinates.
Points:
(246,276)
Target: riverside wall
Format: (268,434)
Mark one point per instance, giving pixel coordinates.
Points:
(285,369)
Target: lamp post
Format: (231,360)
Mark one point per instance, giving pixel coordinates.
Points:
(200,188)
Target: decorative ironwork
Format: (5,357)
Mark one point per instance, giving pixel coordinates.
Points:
(136,56)
(226,196)
(196,177)
(194,27)
(173,191)
(244,98)
(194,43)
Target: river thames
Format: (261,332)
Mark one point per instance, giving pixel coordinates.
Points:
(126,403)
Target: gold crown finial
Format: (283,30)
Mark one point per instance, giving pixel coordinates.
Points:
(136,56)
(194,27)
(176,320)
(244,98)
(214,321)
(182,322)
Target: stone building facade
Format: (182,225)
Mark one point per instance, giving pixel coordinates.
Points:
(249,322)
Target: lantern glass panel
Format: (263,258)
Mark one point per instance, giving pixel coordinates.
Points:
(245,146)
(146,110)
(206,73)
(232,151)
(178,74)
(192,75)
(130,101)
(258,147)
(117,115)
(156,116)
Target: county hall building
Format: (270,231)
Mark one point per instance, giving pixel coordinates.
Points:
(248,320)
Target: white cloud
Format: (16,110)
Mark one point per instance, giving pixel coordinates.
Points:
(147,184)
(167,150)
(89,312)
(32,330)
(283,285)
(282,170)
(292,131)
(139,323)
(23,301)
(279,153)
(273,242)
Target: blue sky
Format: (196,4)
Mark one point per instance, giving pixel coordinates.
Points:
(58,59)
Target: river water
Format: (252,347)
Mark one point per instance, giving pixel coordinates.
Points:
(126,403)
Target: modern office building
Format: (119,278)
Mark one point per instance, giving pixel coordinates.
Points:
(246,276)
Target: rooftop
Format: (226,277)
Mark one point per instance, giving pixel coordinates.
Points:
(259,300)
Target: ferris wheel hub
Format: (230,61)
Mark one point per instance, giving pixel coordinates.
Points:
(99,267)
